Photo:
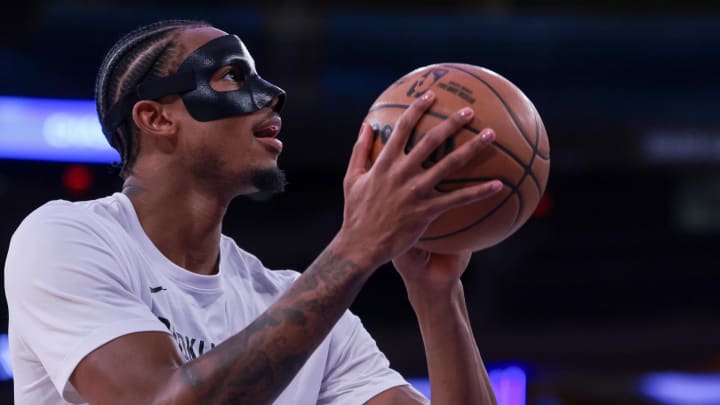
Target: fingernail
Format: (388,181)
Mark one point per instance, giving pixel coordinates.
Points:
(362,128)
(427,95)
(487,135)
(496,185)
(466,112)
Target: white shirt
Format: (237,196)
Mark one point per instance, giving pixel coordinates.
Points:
(78,275)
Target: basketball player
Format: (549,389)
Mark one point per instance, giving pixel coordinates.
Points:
(137,298)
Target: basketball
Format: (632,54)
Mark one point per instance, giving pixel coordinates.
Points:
(519,157)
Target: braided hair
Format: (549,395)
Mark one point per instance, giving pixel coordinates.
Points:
(148,52)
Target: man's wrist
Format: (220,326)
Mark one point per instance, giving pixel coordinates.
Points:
(423,295)
(366,257)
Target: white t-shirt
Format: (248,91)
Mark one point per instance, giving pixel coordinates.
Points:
(80,274)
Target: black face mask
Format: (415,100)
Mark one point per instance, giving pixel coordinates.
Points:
(192,83)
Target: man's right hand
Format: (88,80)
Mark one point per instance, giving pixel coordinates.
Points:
(390,204)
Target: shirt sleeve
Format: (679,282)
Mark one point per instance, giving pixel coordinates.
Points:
(357,369)
(69,290)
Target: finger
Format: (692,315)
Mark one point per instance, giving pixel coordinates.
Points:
(403,128)
(437,135)
(458,158)
(464,196)
(361,151)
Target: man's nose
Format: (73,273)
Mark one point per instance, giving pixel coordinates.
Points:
(277,102)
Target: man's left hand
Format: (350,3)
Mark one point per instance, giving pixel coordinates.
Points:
(422,269)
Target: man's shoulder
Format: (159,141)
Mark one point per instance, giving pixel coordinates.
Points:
(74,211)
(61,238)
(58,218)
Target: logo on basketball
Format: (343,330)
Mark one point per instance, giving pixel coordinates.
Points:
(424,82)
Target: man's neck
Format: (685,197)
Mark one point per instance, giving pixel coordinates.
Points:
(184,224)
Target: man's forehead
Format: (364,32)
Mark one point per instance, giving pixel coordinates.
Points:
(214,45)
(194,38)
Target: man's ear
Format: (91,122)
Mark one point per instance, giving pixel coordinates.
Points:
(152,118)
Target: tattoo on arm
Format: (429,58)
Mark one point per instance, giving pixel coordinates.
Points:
(259,362)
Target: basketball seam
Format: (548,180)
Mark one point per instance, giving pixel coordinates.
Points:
(511,186)
(509,110)
(533,146)
(528,169)
(471,225)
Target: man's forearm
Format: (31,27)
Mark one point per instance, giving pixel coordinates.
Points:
(457,373)
(257,364)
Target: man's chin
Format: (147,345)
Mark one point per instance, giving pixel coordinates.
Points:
(268,181)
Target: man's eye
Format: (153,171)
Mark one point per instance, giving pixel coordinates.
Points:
(234,75)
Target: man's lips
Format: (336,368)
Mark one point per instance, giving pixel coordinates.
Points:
(266,132)
(268,128)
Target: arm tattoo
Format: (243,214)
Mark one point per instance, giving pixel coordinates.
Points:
(255,365)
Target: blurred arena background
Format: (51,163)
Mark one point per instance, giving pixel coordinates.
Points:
(609,295)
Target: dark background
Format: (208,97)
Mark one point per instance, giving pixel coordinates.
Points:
(618,279)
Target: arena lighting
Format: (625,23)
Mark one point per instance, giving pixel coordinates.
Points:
(673,146)
(508,383)
(5,370)
(52,130)
(682,388)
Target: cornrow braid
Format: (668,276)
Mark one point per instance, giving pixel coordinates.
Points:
(148,52)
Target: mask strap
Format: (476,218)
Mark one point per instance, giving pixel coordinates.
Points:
(151,89)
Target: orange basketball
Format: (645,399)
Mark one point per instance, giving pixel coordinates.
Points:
(519,157)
